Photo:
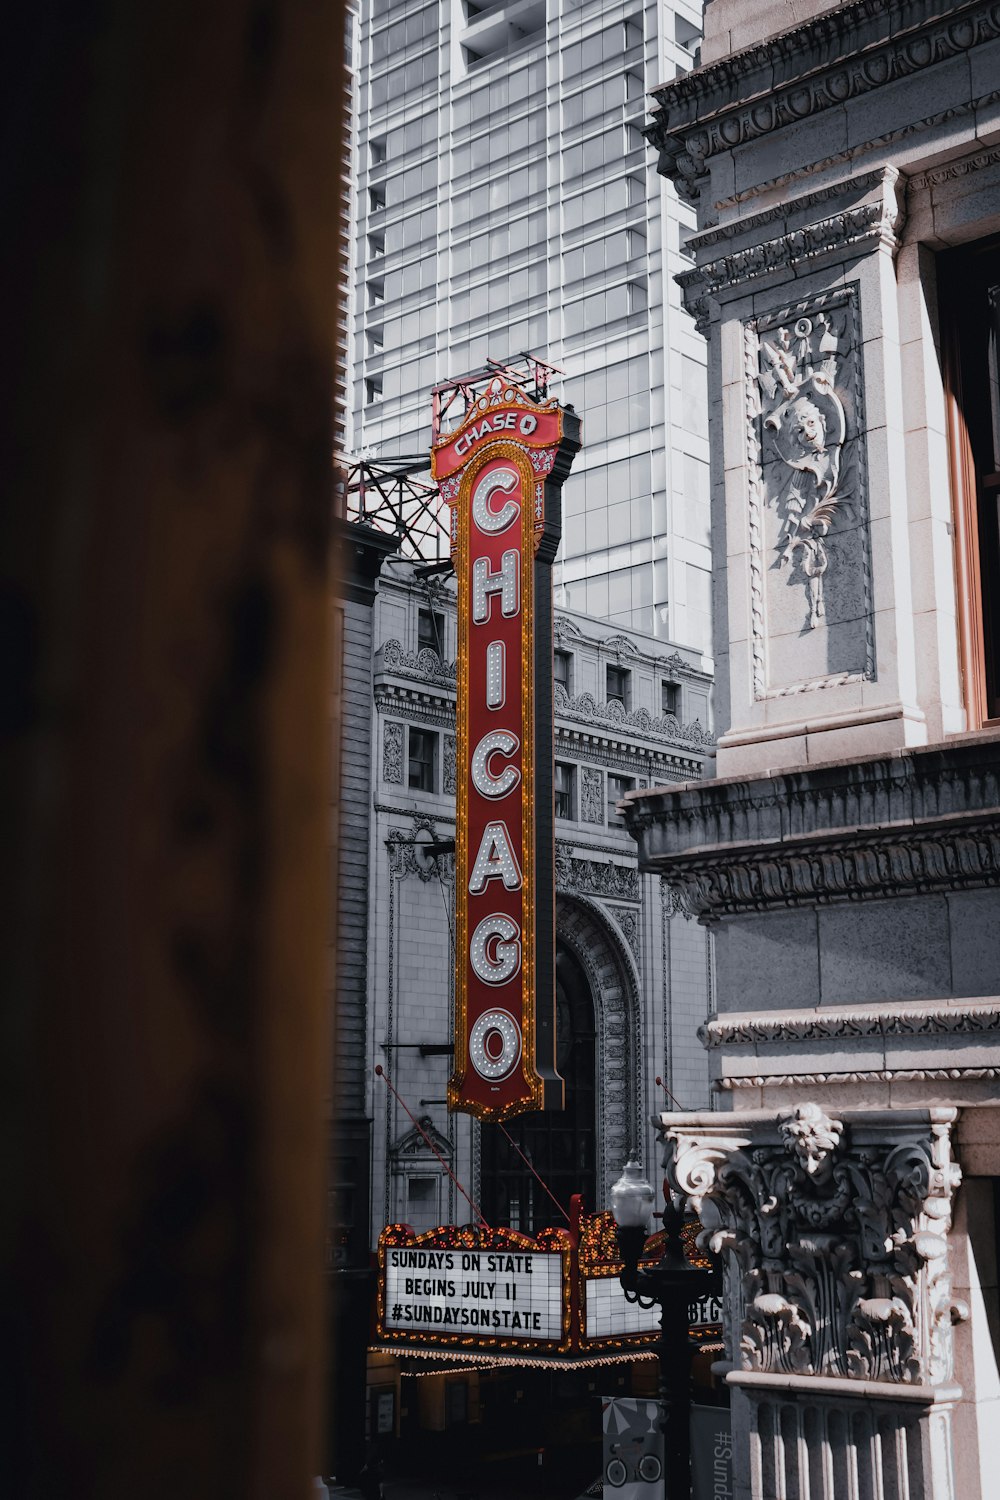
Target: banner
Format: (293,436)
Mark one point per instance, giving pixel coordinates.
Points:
(501,473)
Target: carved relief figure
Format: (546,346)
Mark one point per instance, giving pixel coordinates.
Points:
(805,417)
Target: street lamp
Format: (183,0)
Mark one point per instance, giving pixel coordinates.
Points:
(672,1284)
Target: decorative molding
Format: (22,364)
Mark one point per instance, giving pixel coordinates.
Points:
(861,1075)
(585,709)
(620,646)
(567,630)
(805,408)
(787,209)
(613,976)
(448,766)
(408,854)
(844,54)
(592,877)
(883,863)
(854,1024)
(412,1144)
(836,1237)
(840,158)
(424,665)
(392,753)
(426,707)
(591,795)
(949,170)
(853,231)
(628,921)
(599,750)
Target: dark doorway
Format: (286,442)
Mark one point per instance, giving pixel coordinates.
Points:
(560,1146)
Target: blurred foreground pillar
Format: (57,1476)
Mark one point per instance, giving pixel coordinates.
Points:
(172,201)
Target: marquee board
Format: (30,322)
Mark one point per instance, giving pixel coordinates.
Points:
(496,1290)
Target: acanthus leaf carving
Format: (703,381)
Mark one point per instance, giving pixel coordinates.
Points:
(836,1236)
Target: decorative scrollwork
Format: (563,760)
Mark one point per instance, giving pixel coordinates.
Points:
(837,1237)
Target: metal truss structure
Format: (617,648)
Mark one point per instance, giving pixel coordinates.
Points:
(393,496)
(396,495)
(452,399)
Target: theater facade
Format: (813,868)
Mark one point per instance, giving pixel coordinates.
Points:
(845,856)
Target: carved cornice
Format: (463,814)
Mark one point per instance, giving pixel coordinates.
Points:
(424,665)
(585,709)
(875,864)
(835,1233)
(861,1075)
(853,1024)
(414,706)
(852,231)
(949,170)
(781,212)
(844,54)
(947,116)
(924,820)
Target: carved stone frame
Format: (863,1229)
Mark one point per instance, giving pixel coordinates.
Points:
(610,967)
(842,300)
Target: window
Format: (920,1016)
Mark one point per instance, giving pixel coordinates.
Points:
(422,775)
(376,148)
(373,389)
(686,34)
(376,339)
(565,788)
(617,787)
(670,698)
(376,244)
(376,197)
(969,283)
(562,669)
(430,631)
(633,32)
(618,683)
(376,293)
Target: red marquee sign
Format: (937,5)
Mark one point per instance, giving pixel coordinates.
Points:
(501,473)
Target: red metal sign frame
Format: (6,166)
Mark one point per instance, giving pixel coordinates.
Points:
(501,472)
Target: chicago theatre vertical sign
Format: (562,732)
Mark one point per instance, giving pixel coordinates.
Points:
(501,472)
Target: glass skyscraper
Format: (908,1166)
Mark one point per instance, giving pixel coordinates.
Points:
(509,203)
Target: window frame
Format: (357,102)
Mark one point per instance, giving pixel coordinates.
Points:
(566,657)
(625,696)
(428,766)
(568,791)
(670,698)
(435,640)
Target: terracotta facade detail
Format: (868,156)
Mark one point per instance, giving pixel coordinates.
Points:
(835,1233)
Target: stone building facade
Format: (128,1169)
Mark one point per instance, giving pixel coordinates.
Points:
(633,971)
(845,857)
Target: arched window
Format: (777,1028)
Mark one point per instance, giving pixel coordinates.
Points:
(560,1146)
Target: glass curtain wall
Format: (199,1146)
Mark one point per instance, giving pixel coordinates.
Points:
(509,203)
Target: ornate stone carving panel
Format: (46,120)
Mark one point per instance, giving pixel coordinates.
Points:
(810,562)
(449,765)
(392,754)
(836,1237)
(591,795)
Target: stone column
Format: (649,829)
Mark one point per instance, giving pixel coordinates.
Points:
(838,1298)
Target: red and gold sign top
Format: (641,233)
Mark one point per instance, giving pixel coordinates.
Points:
(501,473)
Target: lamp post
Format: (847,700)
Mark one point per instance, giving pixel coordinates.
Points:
(672,1284)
